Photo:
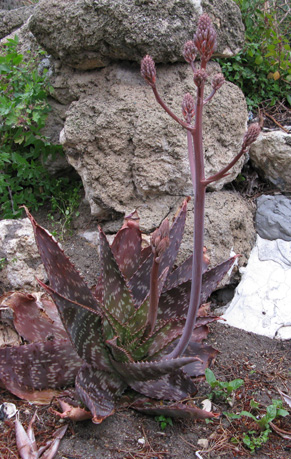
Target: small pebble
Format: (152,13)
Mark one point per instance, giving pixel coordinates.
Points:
(203,442)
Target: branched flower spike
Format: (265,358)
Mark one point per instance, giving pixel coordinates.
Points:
(204,42)
(205,38)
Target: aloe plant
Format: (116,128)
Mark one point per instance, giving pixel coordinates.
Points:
(143,326)
(124,330)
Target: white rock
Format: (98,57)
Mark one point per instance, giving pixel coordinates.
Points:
(261,303)
(203,442)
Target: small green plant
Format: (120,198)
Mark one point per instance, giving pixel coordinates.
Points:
(23,111)
(3,262)
(164,421)
(254,439)
(221,389)
(262,69)
(65,203)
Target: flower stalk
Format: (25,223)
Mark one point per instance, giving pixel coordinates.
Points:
(204,43)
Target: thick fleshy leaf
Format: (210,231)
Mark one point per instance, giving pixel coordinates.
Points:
(205,352)
(175,302)
(63,276)
(126,249)
(35,367)
(211,278)
(183,273)
(117,298)
(120,354)
(174,386)
(84,327)
(161,337)
(174,410)
(98,391)
(138,321)
(35,317)
(143,371)
(136,324)
(140,282)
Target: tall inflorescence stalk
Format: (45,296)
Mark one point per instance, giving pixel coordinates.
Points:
(203,45)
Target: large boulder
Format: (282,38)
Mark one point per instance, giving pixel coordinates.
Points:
(128,150)
(271,154)
(87,33)
(11,20)
(229,227)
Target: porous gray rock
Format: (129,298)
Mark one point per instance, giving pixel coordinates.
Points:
(11,20)
(273,217)
(127,150)
(87,34)
(22,260)
(229,226)
(271,154)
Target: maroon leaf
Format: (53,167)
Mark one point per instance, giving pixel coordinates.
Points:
(174,410)
(175,386)
(27,369)
(117,298)
(83,326)
(98,391)
(165,334)
(63,276)
(183,273)
(174,303)
(211,278)
(139,284)
(119,353)
(35,319)
(205,352)
(126,249)
(142,371)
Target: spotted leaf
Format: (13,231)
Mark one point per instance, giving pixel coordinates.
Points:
(173,410)
(62,275)
(174,386)
(140,282)
(126,249)
(83,326)
(117,298)
(28,371)
(143,371)
(98,391)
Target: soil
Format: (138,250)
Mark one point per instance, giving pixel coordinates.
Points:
(264,365)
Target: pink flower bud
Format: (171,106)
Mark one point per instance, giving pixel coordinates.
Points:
(251,135)
(218,81)
(148,70)
(200,76)
(188,107)
(205,37)
(189,52)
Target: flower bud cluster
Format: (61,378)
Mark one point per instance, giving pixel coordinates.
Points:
(251,135)
(148,70)
(188,107)
(189,52)
(218,81)
(160,240)
(205,37)
(200,76)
